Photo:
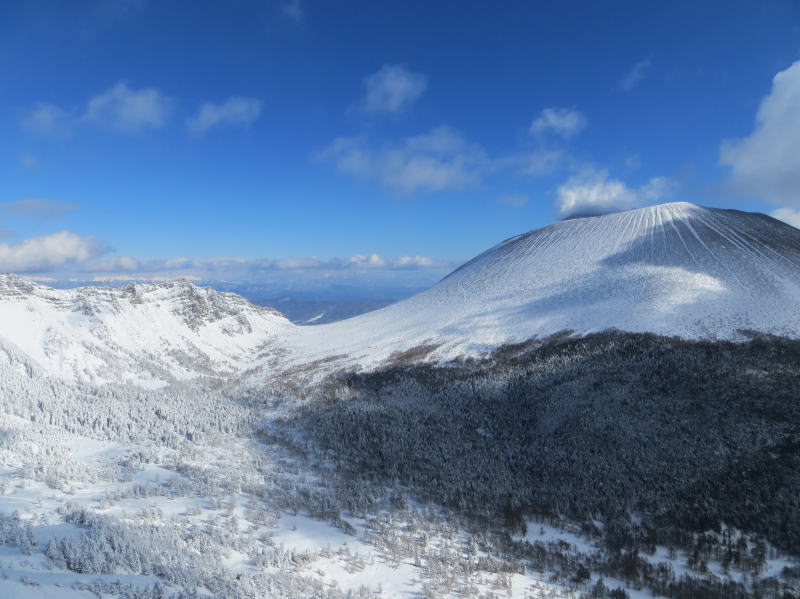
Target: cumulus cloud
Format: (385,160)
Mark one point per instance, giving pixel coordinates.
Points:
(127,110)
(790,216)
(409,262)
(393,88)
(593,192)
(564,122)
(48,209)
(766,163)
(368,261)
(40,254)
(120,108)
(234,111)
(635,76)
(435,161)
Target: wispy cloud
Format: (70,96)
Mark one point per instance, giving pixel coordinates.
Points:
(294,11)
(593,192)
(48,209)
(635,75)
(393,89)
(48,118)
(127,110)
(234,111)
(435,161)
(564,122)
(766,163)
(47,252)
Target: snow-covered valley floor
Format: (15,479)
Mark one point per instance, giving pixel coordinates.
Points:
(226,509)
(231,516)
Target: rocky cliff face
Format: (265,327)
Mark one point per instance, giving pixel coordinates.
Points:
(149,335)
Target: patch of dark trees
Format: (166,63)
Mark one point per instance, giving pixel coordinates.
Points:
(665,437)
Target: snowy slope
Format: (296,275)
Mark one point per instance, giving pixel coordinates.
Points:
(149,335)
(675,269)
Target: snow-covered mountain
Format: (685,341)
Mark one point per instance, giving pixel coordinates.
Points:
(149,335)
(673,269)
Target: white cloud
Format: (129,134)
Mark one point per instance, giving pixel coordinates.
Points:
(438,160)
(366,261)
(592,192)
(212,267)
(790,216)
(234,111)
(294,11)
(636,75)
(38,207)
(393,88)
(127,110)
(767,162)
(564,122)
(39,254)
(409,262)
(120,108)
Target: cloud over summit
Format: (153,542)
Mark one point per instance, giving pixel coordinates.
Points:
(592,192)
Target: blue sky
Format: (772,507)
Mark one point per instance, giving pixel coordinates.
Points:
(374,140)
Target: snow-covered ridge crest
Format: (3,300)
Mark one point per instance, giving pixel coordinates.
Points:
(146,334)
(673,269)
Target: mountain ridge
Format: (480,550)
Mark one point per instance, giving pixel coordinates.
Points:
(674,269)
(147,334)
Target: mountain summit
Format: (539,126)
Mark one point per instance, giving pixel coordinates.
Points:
(673,269)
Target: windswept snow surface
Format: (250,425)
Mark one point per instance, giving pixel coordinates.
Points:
(673,269)
(148,335)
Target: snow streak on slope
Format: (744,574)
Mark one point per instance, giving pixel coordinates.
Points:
(674,269)
(148,335)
